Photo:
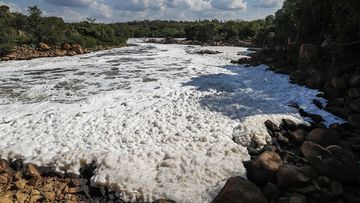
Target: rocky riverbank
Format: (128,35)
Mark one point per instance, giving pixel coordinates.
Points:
(339,80)
(305,163)
(43,50)
(302,163)
(20,182)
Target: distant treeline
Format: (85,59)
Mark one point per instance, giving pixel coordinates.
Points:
(311,21)
(206,30)
(33,28)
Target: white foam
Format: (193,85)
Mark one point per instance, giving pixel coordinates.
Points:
(160,127)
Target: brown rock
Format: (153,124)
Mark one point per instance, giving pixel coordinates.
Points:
(73,190)
(264,168)
(355,81)
(47,188)
(341,111)
(331,160)
(297,136)
(297,199)
(287,124)
(316,80)
(35,181)
(340,82)
(4,178)
(271,127)
(21,197)
(43,47)
(240,190)
(299,77)
(32,170)
(355,105)
(4,165)
(271,191)
(21,184)
(11,56)
(66,46)
(330,91)
(354,92)
(324,137)
(71,53)
(291,176)
(35,198)
(308,53)
(354,120)
(6,199)
(77,48)
(51,196)
(336,188)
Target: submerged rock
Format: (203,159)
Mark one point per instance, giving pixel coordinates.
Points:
(202,52)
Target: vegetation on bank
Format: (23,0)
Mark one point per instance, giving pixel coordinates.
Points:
(332,24)
(335,23)
(32,29)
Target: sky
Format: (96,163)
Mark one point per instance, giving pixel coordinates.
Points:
(129,10)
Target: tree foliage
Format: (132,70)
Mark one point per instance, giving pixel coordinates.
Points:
(314,21)
(31,29)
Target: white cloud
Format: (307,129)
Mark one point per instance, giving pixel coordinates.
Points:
(72,3)
(270,3)
(229,4)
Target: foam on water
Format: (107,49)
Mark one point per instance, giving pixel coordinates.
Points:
(159,119)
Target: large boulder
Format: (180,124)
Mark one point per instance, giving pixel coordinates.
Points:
(299,77)
(298,136)
(355,105)
(330,91)
(340,82)
(316,80)
(264,168)
(355,81)
(324,137)
(309,53)
(354,92)
(340,110)
(333,161)
(240,190)
(290,176)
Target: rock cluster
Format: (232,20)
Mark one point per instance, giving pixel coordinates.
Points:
(43,50)
(207,51)
(27,183)
(311,66)
(302,163)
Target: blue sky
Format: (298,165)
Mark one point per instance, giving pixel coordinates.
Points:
(129,10)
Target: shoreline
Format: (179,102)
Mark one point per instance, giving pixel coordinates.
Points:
(45,51)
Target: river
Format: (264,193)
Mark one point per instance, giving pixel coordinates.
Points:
(160,120)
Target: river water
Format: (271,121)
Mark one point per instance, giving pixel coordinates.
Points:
(160,120)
